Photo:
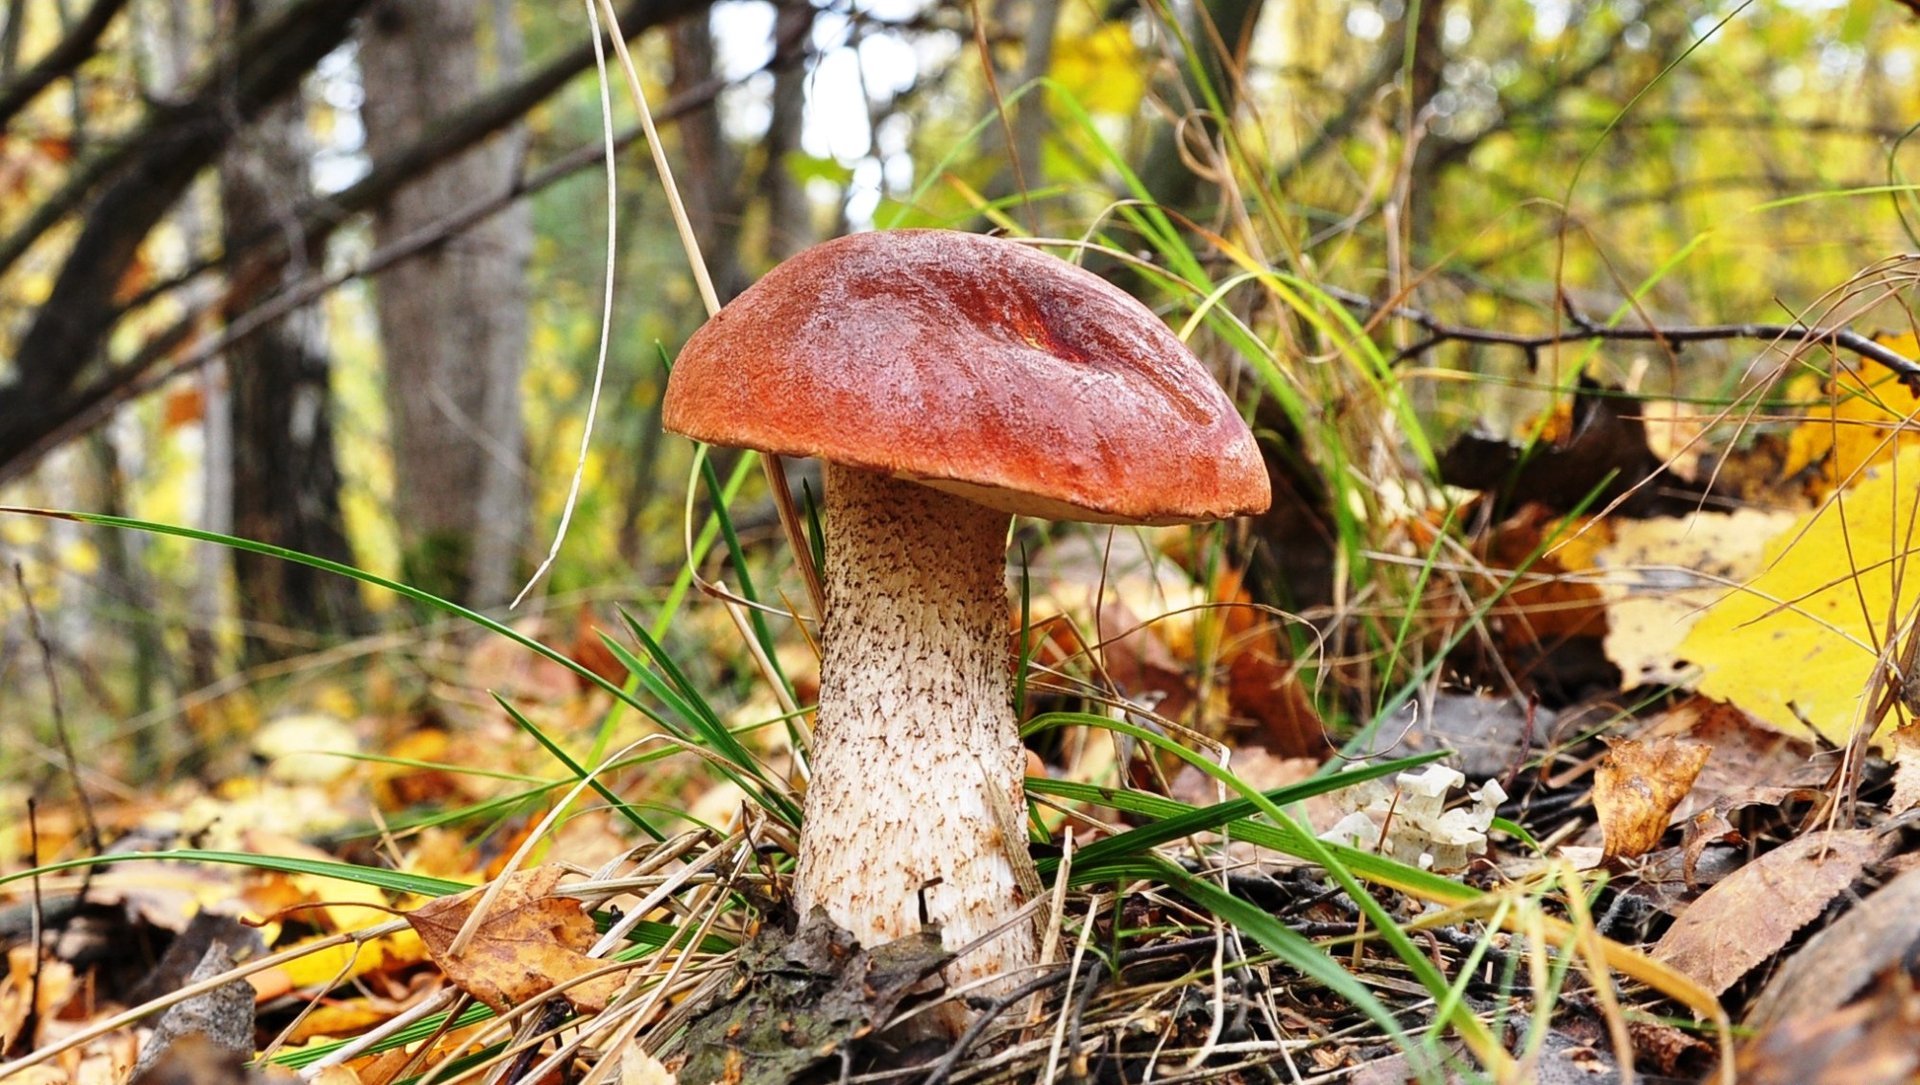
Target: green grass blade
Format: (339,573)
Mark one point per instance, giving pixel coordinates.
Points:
(1283,942)
(1234,811)
(579,771)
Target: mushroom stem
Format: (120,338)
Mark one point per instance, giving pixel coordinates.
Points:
(915,729)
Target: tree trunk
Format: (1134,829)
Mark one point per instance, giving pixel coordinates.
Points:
(789,214)
(453,322)
(285,487)
(708,166)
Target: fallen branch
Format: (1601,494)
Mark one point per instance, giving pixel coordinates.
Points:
(1582,328)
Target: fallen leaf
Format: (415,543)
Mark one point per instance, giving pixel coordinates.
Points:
(529,942)
(1264,685)
(1748,757)
(1860,424)
(1678,1051)
(1490,736)
(1903,748)
(1662,574)
(1800,641)
(798,1000)
(639,1068)
(1604,450)
(193,1059)
(1868,1043)
(1747,918)
(1839,962)
(1636,788)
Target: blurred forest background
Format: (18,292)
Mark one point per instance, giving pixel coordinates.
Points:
(328,274)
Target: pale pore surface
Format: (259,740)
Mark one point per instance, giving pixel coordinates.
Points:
(915,724)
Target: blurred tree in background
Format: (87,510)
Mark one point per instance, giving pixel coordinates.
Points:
(328,273)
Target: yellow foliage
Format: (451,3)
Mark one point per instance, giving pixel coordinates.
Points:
(1857,425)
(333,964)
(1800,641)
(1663,574)
(1102,68)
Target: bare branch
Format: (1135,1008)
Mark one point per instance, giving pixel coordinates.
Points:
(143,373)
(449,136)
(62,59)
(1581,328)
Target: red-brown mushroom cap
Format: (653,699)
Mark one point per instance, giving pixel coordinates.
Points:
(976,365)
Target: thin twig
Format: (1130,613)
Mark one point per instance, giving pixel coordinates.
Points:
(59,712)
(1581,327)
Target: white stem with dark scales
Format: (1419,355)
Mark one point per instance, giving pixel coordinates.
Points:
(915,728)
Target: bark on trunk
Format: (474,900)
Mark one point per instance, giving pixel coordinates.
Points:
(453,323)
(285,484)
(789,214)
(916,746)
(713,198)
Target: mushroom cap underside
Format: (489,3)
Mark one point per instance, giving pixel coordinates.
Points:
(976,365)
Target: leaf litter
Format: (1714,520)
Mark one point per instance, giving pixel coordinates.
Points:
(1699,815)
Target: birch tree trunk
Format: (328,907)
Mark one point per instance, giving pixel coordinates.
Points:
(453,322)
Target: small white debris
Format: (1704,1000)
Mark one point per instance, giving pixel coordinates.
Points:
(1419,829)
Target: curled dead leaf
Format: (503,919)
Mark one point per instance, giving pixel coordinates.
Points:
(528,943)
(1637,786)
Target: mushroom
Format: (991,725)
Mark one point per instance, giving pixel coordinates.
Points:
(949,381)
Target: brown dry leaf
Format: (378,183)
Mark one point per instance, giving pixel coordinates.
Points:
(1747,918)
(1264,685)
(32,987)
(1636,788)
(1868,1043)
(503,667)
(1538,614)
(1602,450)
(1904,751)
(529,943)
(384,1068)
(1839,962)
(1748,756)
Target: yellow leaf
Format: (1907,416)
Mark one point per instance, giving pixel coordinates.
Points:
(1663,574)
(1800,641)
(1857,425)
(337,963)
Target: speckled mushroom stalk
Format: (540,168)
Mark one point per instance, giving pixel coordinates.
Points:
(915,736)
